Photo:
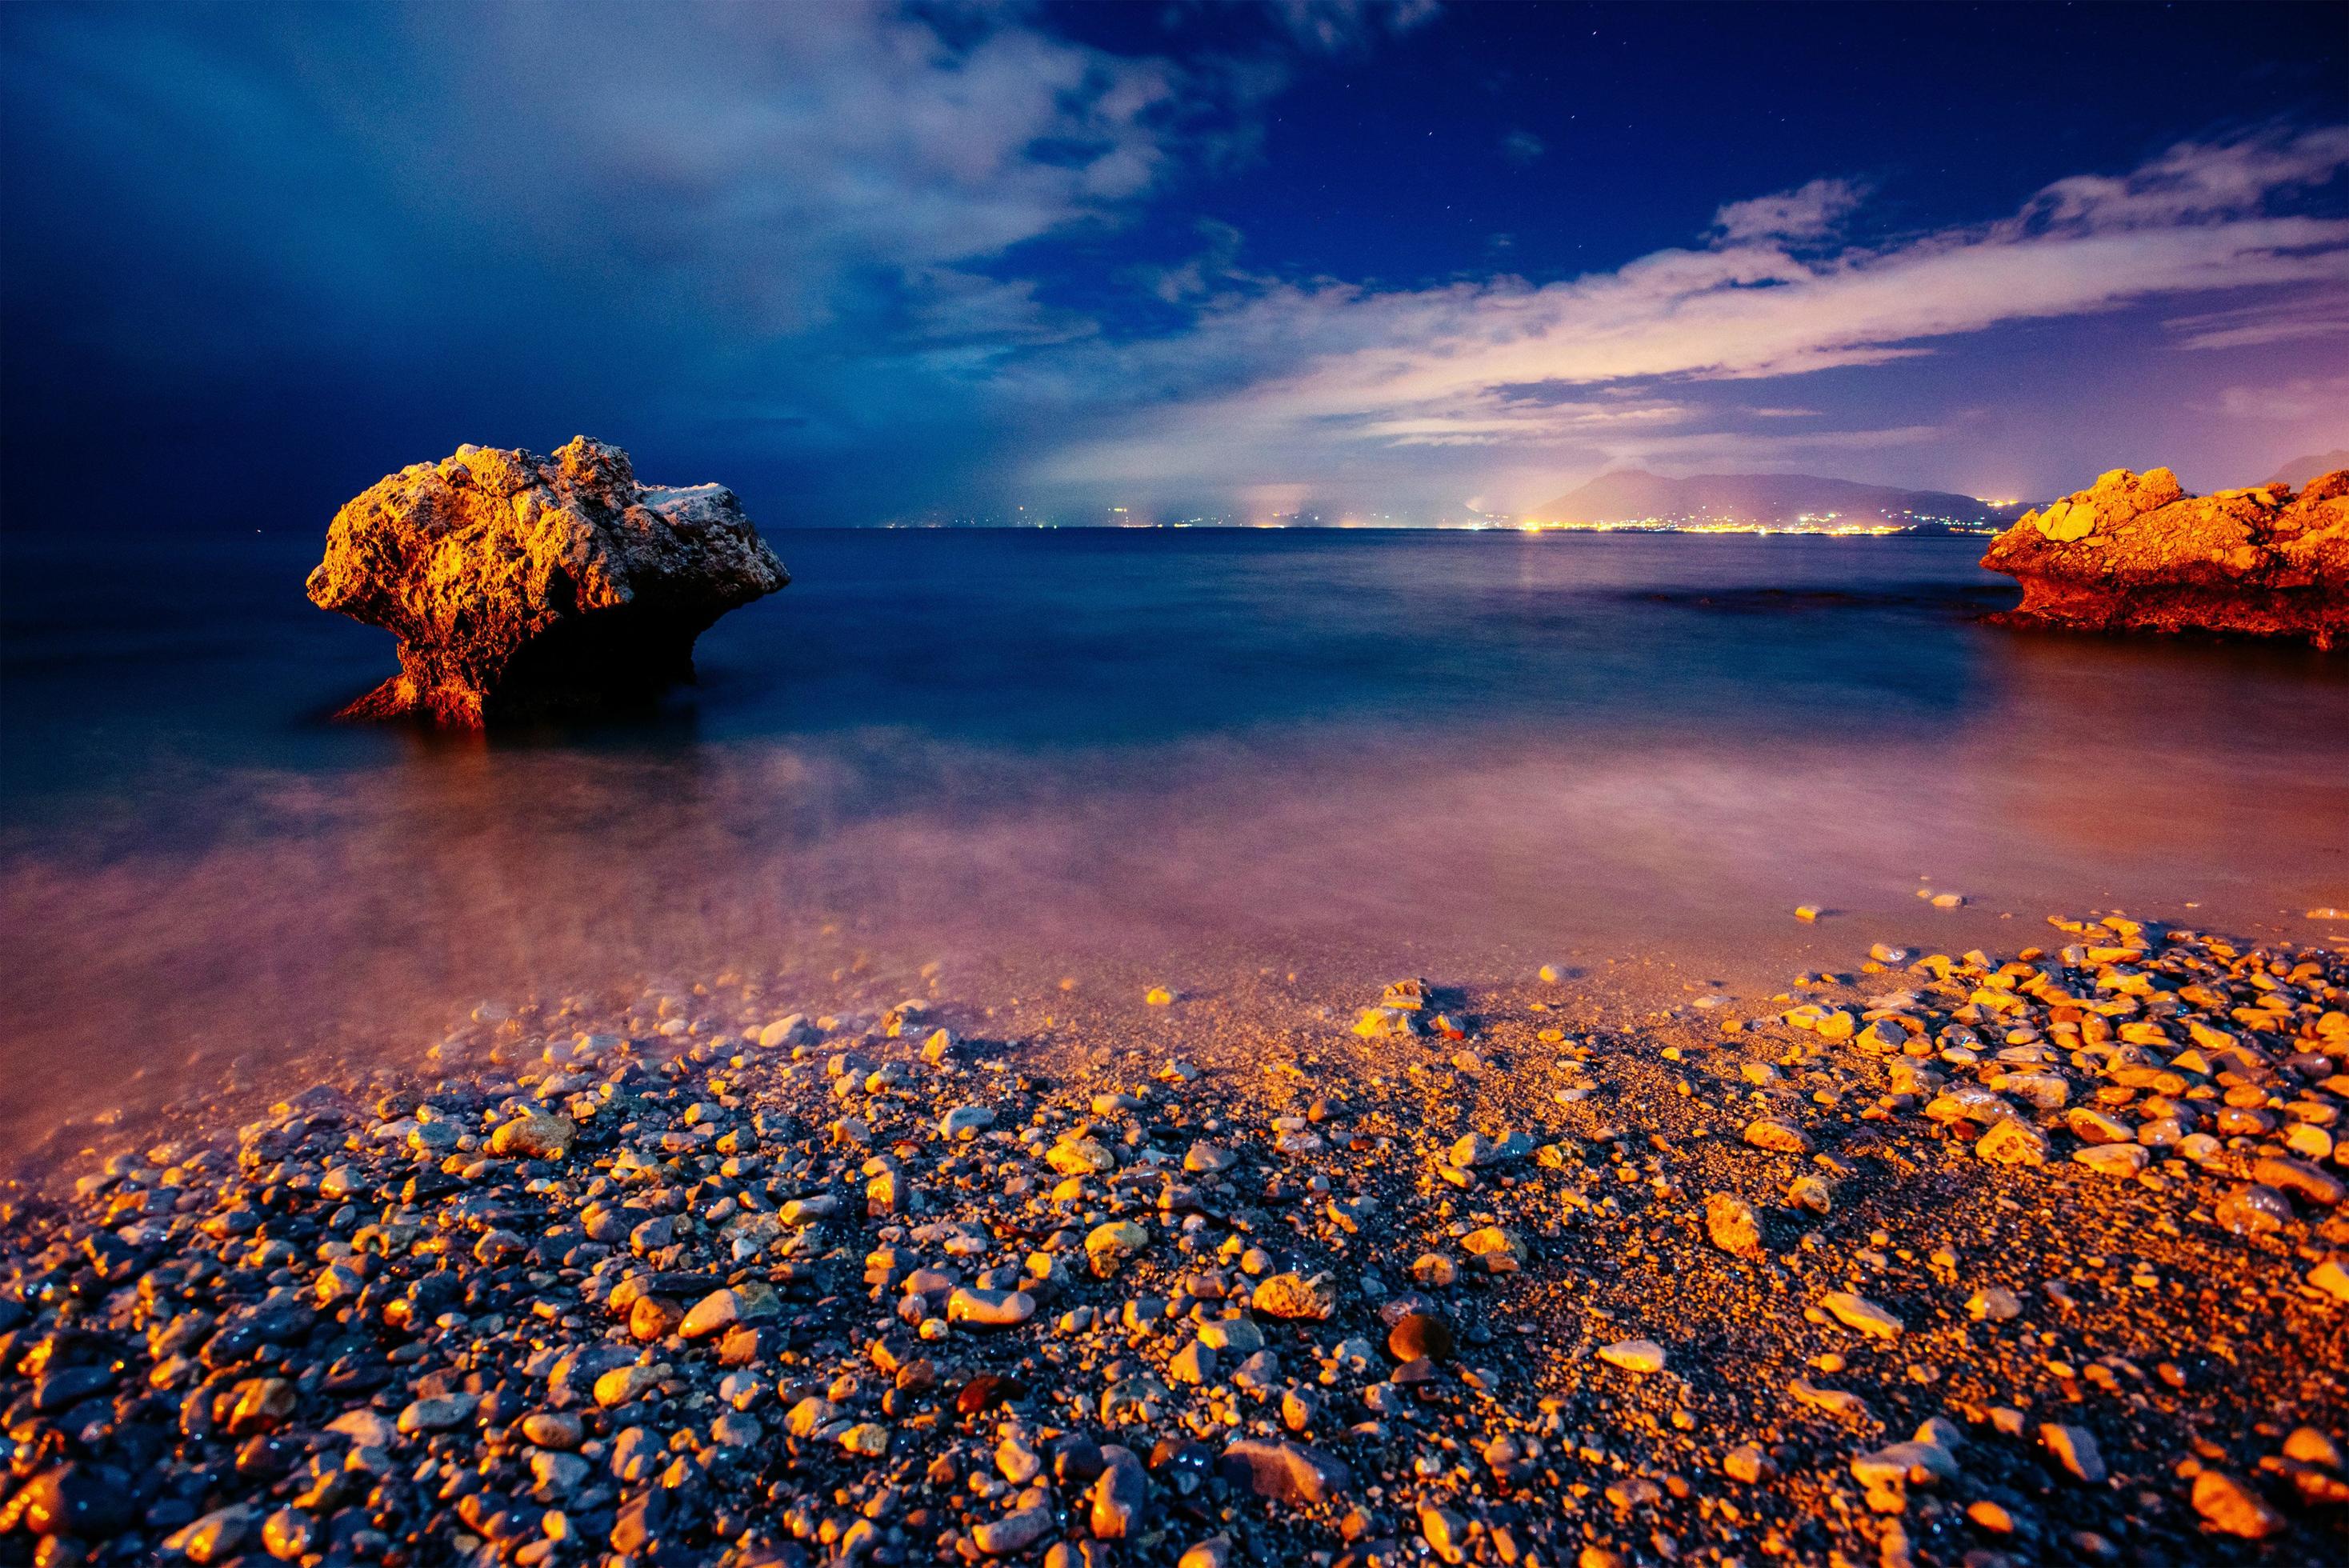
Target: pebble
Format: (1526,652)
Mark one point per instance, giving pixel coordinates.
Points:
(1777,1136)
(1014,1532)
(1858,1312)
(1284,1471)
(989,1308)
(1120,1495)
(2231,1504)
(1733,1225)
(2075,1448)
(1292,1296)
(1633,1355)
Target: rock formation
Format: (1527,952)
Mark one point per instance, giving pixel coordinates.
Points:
(519,585)
(2136,552)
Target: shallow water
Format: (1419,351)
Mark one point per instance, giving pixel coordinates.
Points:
(1184,755)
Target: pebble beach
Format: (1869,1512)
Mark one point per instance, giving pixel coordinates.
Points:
(2035,1256)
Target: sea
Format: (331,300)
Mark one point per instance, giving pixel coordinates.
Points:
(979,761)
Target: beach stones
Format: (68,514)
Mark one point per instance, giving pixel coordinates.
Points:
(1733,1225)
(2113,1159)
(724,1309)
(1420,1335)
(1633,1355)
(76,1499)
(1777,1136)
(1284,1471)
(2013,1142)
(965,1121)
(1993,1303)
(1858,1312)
(1014,1532)
(1209,1158)
(2231,1504)
(1497,1249)
(1292,1296)
(981,1332)
(1108,1245)
(989,1308)
(2073,1449)
(537,1135)
(1237,1336)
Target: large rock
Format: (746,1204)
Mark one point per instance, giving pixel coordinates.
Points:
(519,585)
(2136,552)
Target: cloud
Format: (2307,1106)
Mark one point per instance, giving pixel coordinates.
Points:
(1522,146)
(1204,272)
(1804,213)
(769,169)
(1338,26)
(2263,326)
(1313,375)
(2290,401)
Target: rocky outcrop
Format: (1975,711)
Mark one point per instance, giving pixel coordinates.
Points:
(2136,552)
(521,584)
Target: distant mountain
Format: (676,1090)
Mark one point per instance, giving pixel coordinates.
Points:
(1632,495)
(2300,471)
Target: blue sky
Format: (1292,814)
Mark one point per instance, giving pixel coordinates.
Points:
(877,262)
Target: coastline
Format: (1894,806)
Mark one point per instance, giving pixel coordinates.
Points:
(373,1326)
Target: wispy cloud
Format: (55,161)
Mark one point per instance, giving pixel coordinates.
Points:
(1315,372)
(2289,402)
(2293,320)
(1800,214)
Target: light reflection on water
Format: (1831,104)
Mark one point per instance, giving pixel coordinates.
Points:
(1175,753)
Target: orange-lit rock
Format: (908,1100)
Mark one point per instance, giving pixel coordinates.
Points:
(519,585)
(2136,552)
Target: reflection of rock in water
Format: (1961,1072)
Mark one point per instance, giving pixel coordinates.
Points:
(519,585)
(1956,601)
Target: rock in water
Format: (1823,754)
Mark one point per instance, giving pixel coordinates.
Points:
(519,585)
(2137,553)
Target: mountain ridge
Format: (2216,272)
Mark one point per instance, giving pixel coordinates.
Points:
(2300,471)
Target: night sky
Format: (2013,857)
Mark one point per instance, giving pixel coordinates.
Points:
(871,262)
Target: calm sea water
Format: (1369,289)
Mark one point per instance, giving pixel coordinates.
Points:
(1173,754)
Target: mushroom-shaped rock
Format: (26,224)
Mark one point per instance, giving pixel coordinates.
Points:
(519,585)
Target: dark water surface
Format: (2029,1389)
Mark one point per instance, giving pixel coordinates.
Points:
(1157,752)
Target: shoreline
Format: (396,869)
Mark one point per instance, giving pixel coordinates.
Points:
(625,1281)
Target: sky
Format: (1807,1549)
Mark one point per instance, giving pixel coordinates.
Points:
(1415,261)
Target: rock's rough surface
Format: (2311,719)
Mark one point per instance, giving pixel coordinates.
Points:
(519,583)
(2136,552)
